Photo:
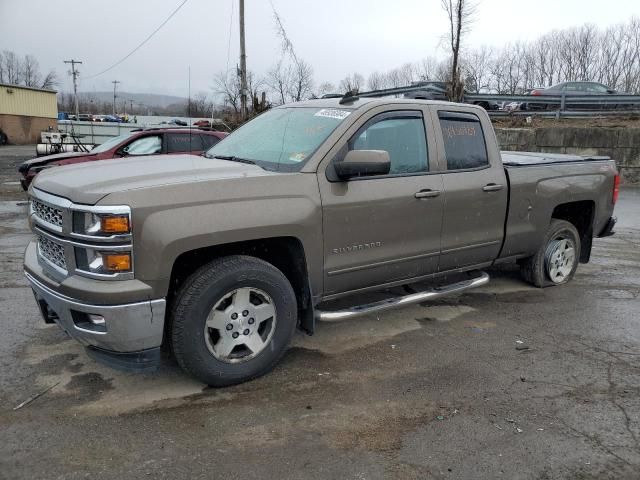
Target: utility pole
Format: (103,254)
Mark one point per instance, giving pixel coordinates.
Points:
(243,66)
(75,74)
(115,83)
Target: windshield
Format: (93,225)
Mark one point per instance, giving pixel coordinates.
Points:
(281,139)
(112,142)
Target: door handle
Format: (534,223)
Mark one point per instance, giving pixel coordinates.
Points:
(492,187)
(427,193)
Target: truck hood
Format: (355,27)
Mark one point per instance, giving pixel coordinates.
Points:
(26,165)
(87,183)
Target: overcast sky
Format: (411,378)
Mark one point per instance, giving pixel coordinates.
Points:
(336,37)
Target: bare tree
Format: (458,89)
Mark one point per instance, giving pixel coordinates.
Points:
(352,82)
(279,79)
(426,68)
(460,16)
(30,71)
(291,78)
(50,80)
(376,81)
(12,67)
(200,105)
(475,68)
(227,84)
(325,88)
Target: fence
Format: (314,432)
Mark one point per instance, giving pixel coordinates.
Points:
(95,132)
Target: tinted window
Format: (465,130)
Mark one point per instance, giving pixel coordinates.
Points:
(145,146)
(183,142)
(463,141)
(596,88)
(402,137)
(209,141)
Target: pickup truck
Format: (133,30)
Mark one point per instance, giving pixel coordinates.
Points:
(222,257)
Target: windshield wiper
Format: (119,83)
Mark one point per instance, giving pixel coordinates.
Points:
(232,158)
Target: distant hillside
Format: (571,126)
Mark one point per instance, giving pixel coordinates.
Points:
(150,99)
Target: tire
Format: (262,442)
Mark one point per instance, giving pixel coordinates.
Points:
(213,311)
(555,263)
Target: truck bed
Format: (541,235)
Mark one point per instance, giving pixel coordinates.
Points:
(523,159)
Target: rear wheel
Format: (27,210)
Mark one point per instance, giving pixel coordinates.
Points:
(556,261)
(233,320)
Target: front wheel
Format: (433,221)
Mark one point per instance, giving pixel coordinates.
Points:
(556,261)
(233,320)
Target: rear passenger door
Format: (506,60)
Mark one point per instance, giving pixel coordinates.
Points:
(184,142)
(475,189)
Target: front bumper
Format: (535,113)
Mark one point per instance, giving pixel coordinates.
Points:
(128,334)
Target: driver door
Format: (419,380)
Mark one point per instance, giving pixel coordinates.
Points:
(385,228)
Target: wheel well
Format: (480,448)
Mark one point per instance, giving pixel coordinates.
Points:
(284,253)
(580,214)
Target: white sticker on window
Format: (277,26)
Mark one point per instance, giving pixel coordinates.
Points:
(333,113)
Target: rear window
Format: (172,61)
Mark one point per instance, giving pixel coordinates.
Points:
(209,141)
(464,143)
(183,142)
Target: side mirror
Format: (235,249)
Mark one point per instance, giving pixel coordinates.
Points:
(123,152)
(611,90)
(360,163)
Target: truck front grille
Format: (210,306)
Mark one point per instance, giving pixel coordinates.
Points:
(46,213)
(52,251)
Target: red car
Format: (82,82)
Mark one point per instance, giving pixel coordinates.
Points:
(153,141)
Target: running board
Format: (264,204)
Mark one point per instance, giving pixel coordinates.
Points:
(337,315)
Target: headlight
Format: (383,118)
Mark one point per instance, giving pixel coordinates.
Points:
(101,224)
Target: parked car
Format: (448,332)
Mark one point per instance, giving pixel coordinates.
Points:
(223,256)
(85,117)
(137,143)
(178,122)
(570,89)
(216,125)
(438,91)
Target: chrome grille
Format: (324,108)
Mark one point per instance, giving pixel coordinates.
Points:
(46,213)
(52,251)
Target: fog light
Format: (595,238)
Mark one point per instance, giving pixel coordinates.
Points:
(116,262)
(96,319)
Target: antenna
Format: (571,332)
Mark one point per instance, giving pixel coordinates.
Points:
(189,110)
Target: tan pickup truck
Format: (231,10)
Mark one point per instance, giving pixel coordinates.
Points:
(222,256)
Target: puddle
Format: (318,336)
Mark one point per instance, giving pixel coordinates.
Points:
(339,337)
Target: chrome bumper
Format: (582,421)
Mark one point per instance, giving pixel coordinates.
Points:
(131,327)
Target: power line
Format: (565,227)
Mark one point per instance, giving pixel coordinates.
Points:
(141,44)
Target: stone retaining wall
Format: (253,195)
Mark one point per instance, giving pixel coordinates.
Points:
(621,144)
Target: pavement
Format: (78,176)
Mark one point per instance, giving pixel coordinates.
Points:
(505,381)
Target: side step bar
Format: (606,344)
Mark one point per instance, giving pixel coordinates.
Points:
(432,294)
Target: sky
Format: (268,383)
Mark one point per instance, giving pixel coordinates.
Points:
(337,37)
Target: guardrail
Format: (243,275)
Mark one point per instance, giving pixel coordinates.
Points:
(542,105)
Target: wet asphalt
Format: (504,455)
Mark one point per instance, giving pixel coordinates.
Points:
(505,381)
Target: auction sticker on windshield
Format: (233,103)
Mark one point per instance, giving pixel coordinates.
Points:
(332,113)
